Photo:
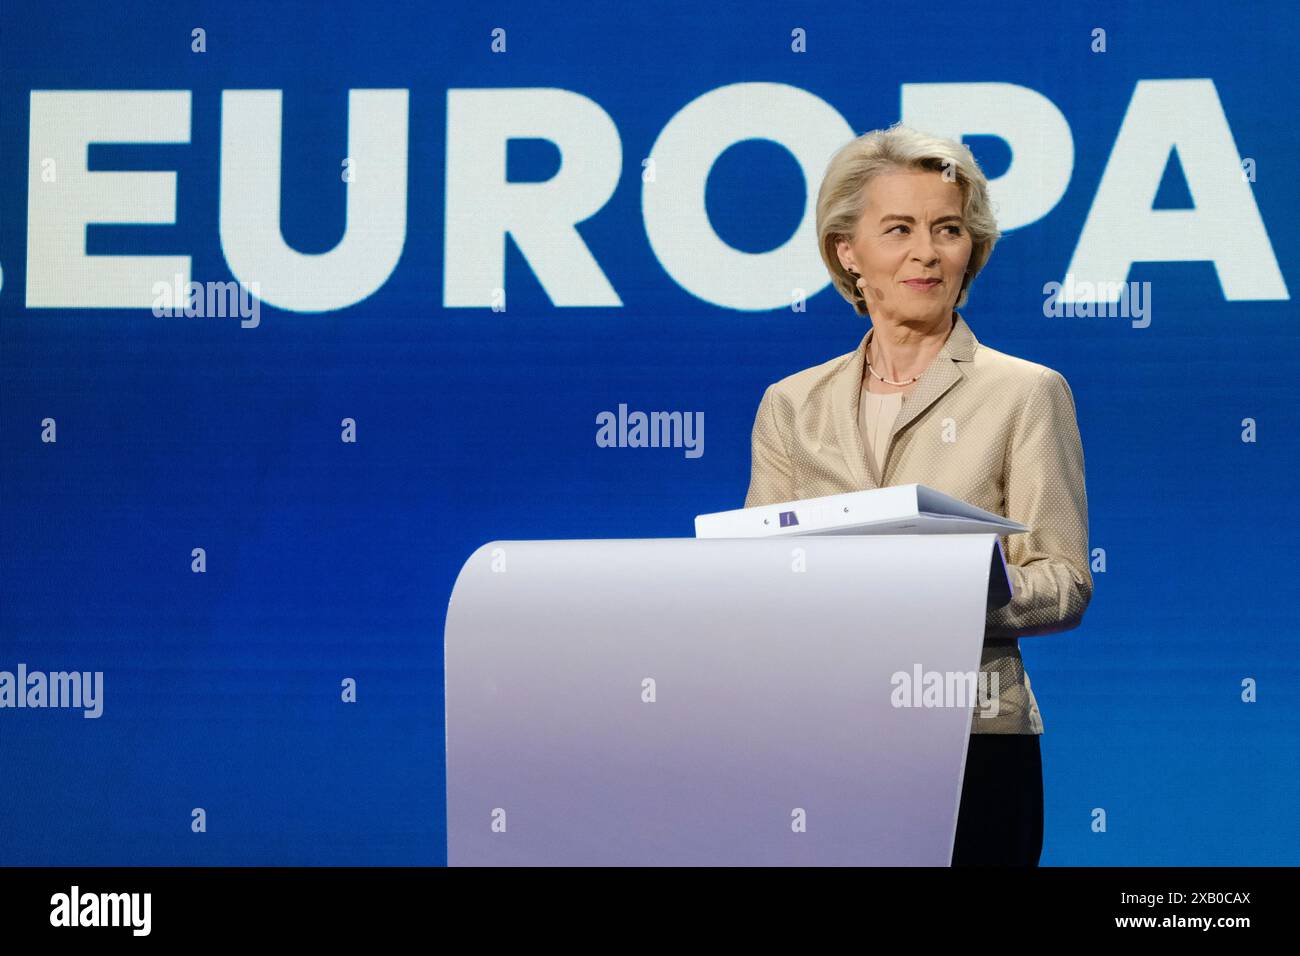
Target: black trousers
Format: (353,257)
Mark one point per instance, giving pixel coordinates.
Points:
(1000,822)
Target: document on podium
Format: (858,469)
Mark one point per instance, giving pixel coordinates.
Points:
(901,509)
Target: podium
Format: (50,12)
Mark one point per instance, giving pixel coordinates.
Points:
(696,702)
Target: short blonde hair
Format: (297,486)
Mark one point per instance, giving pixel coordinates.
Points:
(842,197)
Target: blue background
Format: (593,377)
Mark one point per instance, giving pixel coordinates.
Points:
(328,560)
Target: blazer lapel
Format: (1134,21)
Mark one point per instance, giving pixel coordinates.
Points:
(846,399)
(846,394)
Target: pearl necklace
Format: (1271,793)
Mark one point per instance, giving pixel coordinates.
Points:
(889,381)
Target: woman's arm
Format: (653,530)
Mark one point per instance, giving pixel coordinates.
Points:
(770,476)
(1044,489)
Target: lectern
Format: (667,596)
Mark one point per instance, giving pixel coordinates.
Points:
(682,702)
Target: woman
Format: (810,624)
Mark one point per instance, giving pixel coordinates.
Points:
(904,225)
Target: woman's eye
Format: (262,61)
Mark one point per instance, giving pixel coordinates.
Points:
(956,230)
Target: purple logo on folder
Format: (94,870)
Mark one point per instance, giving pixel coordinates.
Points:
(788,519)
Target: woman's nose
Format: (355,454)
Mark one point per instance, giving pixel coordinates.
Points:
(924,249)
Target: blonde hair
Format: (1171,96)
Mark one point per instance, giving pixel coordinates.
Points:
(842,197)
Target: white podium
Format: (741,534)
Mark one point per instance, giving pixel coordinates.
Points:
(714,702)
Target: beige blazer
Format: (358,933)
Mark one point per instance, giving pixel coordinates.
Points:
(996,431)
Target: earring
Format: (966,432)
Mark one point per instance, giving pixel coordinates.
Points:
(857,276)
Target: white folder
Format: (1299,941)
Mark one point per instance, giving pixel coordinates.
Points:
(900,509)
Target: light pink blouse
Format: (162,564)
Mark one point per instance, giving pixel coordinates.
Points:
(876,414)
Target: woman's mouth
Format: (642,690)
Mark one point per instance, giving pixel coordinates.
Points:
(922,285)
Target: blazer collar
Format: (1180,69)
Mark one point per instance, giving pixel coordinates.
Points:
(846,396)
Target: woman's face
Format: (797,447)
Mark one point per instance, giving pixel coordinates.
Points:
(911,229)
